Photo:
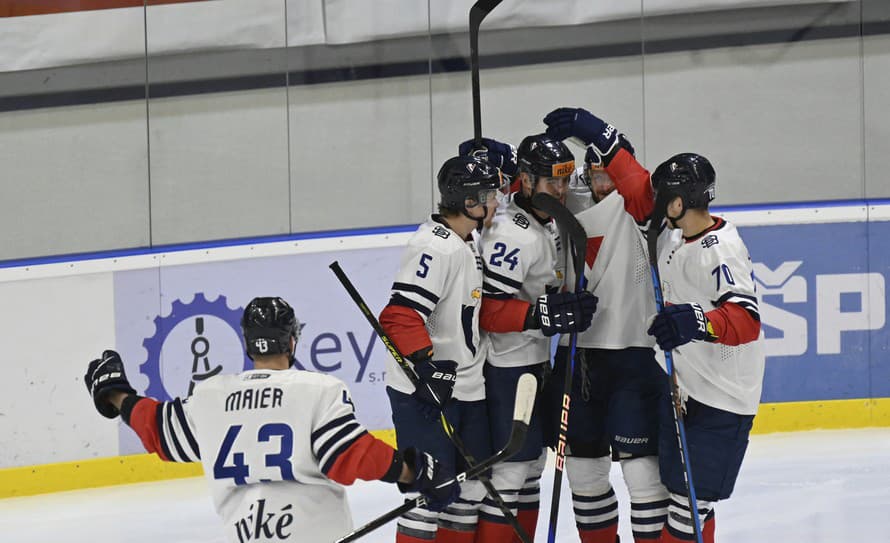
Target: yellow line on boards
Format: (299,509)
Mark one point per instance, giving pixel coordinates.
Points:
(138,468)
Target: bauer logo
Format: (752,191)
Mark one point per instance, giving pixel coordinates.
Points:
(193,342)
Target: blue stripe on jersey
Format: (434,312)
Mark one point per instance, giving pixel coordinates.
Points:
(503,279)
(171,428)
(417,289)
(330,425)
(398,299)
(748,303)
(340,450)
(186,430)
(466,319)
(159,422)
(728,295)
(335,439)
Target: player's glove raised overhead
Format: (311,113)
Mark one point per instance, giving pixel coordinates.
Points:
(105,375)
(437,379)
(430,478)
(602,139)
(679,324)
(562,313)
(501,155)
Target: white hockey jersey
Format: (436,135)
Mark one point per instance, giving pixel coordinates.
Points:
(282,428)
(522,258)
(710,270)
(440,277)
(617,272)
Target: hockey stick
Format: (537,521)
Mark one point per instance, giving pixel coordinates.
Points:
(522,412)
(478,12)
(415,379)
(569,224)
(680,427)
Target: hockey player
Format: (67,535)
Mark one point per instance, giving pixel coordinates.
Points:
(273,443)
(617,381)
(711,322)
(433,319)
(524,270)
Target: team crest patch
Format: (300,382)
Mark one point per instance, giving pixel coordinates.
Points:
(709,241)
(476,294)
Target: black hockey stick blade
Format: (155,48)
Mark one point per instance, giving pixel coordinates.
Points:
(477,13)
(526,389)
(570,225)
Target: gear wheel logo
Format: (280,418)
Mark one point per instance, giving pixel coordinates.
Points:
(196,341)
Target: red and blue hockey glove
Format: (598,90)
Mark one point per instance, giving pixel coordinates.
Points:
(105,375)
(679,324)
(562,313)
(602,139)
(434,481)
(499,154)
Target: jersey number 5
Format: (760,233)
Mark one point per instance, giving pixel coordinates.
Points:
(239,470)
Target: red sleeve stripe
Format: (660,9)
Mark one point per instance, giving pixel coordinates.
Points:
(501,316)
(144,421)
(632,181)
(406,329)
(332,459)
(733,325)
(365,458)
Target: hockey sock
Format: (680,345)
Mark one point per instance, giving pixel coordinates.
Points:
(417,526)
(594,501)
(679,524)
(648,497)
(457,523)
(530,498)
(493,527)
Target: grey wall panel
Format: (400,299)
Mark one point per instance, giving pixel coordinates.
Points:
(515,100)
(219,166)
(877,116)
(780,122)
(74,180)
(360,153)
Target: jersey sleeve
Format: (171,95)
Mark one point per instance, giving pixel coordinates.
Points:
(163,427)
(736,314)
(419,283)
(505,263)
(334,426)
(632,182)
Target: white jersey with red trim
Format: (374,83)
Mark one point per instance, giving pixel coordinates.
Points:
(272,427)
(617,272)
(710,270)
(440,277)
(522,259)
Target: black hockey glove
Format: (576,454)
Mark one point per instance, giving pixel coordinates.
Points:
(601,138)
(434,481)
(499,154)
(104,375)
(436,377)
(562,313)
(679,324)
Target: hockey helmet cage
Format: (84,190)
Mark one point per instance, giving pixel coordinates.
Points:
(542,155)
(267,326)
(687,175)
(465,177)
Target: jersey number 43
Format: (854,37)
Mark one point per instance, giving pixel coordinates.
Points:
(239,470)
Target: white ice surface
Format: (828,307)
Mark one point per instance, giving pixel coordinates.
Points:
(807,487)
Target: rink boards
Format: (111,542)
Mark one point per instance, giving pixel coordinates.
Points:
(173,314)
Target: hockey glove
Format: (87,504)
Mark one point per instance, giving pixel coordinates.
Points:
(602,139)
(437,379)
(434,481)
(105,375)
(501,155)
(679,324)
(562,313)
